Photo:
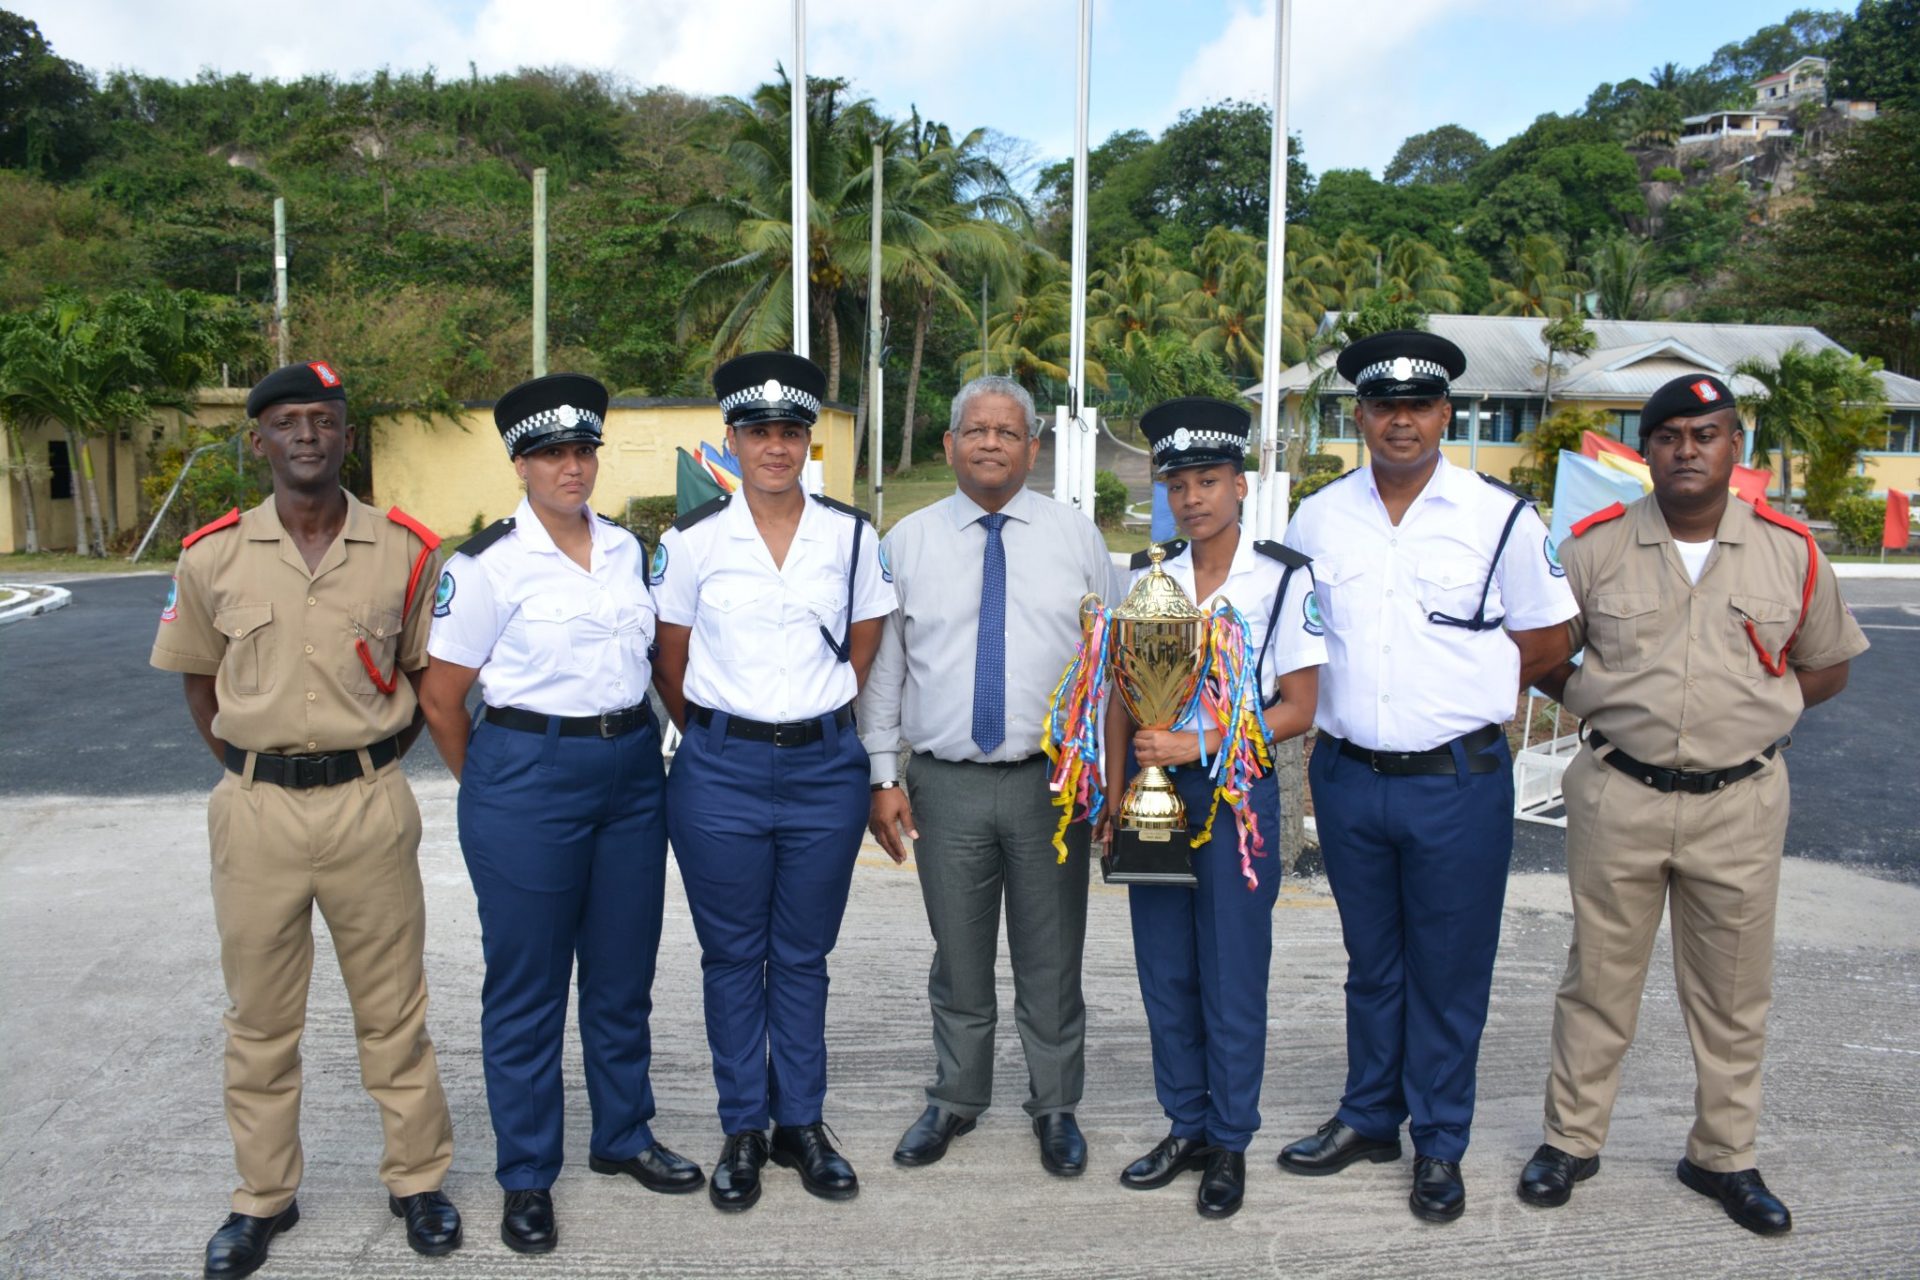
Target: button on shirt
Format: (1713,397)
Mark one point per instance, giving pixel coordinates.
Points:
(1395,681)
(545,634)
(279,639)
(756,650)
(920,691)
(1669,674)
(1252,579)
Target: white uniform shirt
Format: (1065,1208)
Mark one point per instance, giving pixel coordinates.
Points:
(1251,582)
(1395,681)
(756,649)
(547,635)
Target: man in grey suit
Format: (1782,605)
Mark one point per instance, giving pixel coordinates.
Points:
(990,582)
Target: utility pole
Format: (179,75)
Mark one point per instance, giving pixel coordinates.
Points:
(1074,421)
(874,470)
(539,273)
(280,275)
(983,324)
(797,113)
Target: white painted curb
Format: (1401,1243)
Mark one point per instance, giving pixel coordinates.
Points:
(39,599)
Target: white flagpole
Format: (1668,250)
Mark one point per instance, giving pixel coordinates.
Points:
(1271,511)
(1067,442)
(798,113)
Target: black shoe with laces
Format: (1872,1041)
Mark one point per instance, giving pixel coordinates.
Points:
(735,1184)
(823,1171)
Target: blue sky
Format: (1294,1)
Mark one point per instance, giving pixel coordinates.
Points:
(1365,73)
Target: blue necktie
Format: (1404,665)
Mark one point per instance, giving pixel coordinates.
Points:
(990,653)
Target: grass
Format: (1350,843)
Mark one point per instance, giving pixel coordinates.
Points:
(929,482)
(72,564)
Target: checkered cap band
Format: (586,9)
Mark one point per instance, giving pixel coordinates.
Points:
(770,393)
(1400,369)
(551,421)
(1186,441)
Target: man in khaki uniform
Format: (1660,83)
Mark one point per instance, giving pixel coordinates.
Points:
(301,628)
(1708,625)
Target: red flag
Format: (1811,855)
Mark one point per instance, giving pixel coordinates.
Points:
(1899,515)
(1750,484)
(1593,444)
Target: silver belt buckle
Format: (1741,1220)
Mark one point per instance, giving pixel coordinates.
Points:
(607,724)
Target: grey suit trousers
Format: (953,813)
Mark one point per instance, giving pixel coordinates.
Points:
(986,830)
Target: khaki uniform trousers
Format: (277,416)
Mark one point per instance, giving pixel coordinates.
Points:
(1716,857)
(353,849)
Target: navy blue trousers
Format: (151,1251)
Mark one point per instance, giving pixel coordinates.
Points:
(1203,955)
(766,839)
(1418,868)
(566,843)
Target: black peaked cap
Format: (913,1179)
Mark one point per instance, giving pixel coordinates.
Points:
(556,409)
(769,386)
(1196,431)
(1401,364)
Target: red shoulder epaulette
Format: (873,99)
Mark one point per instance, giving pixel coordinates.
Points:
(231,518)
(419,530)
(1773,516)
(1599,517)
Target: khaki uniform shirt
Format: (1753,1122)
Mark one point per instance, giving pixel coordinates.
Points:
(1670,675)
(280,641)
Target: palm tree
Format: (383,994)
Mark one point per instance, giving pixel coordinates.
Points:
(1140,299)
(1568,335)
(1228,303)
(1414,271)
(1809,401)
(1031,340)
(1544,285)
(1621,267)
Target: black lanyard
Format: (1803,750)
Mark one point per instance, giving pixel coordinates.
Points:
(1480,621)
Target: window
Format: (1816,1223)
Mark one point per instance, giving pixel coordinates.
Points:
(1626,426)
(1336,419)
(1505,421)
(61,469)
(1903,431)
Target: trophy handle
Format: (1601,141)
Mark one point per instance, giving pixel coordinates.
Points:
(1090,607)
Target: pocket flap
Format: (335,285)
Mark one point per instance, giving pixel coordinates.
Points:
(237,621)
(728,596)
(1451,572)
(1761,609)
(1334,571)
(376,623)
(553,607)
(1626,604)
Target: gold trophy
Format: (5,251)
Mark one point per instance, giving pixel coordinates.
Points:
(1155,655)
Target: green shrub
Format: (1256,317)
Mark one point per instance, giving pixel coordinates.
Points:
(1535,482)
(1109,499)
(1305,486)
(648,518)
(1316,463)
(1667,173)
(1860,522)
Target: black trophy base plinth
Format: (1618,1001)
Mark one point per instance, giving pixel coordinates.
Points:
(1148,857)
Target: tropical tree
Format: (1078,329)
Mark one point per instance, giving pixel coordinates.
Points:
(1413,271)
(1228,302)
(1141,298)
(1030,340)
(1567,335)
(1621,268)
(1818,403)
(1543,285)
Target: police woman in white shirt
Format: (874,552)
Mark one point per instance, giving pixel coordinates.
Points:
(1203,953)
(561,803)
(770,613)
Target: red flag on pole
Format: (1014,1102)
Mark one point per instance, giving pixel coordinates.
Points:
(1593,444)
(1899,515)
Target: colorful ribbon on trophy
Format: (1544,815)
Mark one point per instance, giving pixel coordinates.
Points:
(1072,736)
(1228,699)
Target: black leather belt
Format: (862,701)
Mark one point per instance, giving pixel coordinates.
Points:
(1435,762)
(298,773)
(608,724)
(784,733)
(1696,782)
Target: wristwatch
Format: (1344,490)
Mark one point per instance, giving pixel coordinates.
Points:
(888,785)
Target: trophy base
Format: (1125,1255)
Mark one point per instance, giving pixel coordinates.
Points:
(1148,857)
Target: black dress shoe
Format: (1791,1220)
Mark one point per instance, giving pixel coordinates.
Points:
(433,1224)
(1439,1195)
(240,1245)
(925,1141)
(658,1168)
(736,1175)
(1334,1146)
(1223,1185)
(1548,1179)
(823,1171)
(1063,1151)
(1167,1161)
(527,1225)
(1743,1195)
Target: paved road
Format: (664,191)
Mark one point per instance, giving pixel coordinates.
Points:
(85,715)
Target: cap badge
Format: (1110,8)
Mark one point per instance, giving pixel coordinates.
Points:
(1402,369)
(568,415)
(323,371)
(1182,440)
(1704,392)
(772,390)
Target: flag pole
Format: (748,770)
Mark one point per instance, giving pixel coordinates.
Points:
(797,113)
(1070,427)
(1272,511)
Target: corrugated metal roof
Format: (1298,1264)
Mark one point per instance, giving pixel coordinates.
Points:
(1505,357)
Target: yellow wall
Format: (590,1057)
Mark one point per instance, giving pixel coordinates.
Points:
(1900,471)
(115,475)
(445,474)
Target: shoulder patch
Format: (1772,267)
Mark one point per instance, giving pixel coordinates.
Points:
(226,521)
(1770,515)
(443,594)
(480,541)
(1504,485)
(657,564)
(414,527)
(1284,554)
(1599,517)
(1141,559)
(842,507)
(711,507)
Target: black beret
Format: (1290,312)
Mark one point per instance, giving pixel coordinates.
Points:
(1691,395)
(1401,364)
(558,408)
(1196,431)
(307,383)
(769,386)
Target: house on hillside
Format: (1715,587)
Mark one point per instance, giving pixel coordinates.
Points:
(1499,398)
(1804,80)
(1724,126)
